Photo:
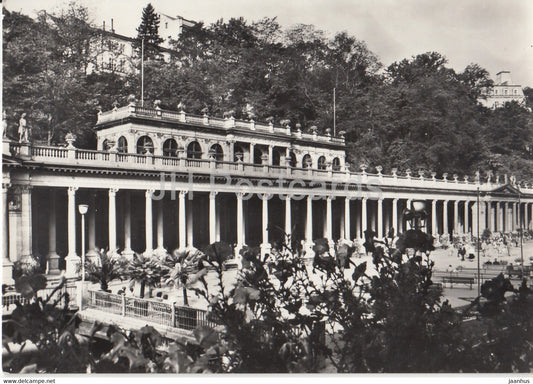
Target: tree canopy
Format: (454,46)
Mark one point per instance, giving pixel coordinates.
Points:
(417,113)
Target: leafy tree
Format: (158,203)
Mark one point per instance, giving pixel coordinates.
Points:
(148,31)
(104,269)
(144,270)
(184,267)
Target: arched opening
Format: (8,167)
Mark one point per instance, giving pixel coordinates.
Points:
(170,148)
(336,164)
(217,152)
(276,158)
(194,151)
(122,145)
(292,159)
(306,161)
(321,162)
(238,153)
(106,146)
(145,145)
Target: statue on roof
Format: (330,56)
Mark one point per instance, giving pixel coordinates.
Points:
(23,129)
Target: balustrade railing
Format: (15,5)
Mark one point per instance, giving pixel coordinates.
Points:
(152,310)
(87,157)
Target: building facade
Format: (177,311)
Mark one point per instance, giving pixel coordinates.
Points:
(503,91)
(161,180)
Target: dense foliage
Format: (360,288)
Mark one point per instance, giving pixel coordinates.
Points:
(283,315)
(414,114)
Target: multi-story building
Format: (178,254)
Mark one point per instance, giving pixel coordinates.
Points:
(502,92)
(160,180)
(115,52)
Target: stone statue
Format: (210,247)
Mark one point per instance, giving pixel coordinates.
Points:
(4,123)
(23,129)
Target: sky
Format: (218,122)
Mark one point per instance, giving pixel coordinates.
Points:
(496,34)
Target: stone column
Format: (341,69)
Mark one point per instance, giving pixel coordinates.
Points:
(288,221)
(265,246)
(190,228)
(309,220)
(26,222)
(329,232)
(91,228)
(240,223)
(212,217)
(308,242)
(270,158)
(160,250)
(434,222)
(408,206)
(456,216)
(72,260)
(490,216)
(127,252)
(513,216)
(475,219)
(112,218)
(7,265)
(182,220)
(466,222)
(500,210)
(380,219)
(347,229)
(445,227)
(364,219)
(526,215)
(52,259)
(395,216)
(148,222)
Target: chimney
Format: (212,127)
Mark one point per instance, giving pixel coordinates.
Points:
(112,29)
(103,25)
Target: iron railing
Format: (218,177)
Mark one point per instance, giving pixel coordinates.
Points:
(154,311)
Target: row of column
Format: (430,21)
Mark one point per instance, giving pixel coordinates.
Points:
(497,216)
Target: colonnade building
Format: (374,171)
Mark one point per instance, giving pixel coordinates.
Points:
(161,180)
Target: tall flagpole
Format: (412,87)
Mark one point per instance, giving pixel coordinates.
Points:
(142,72)
(334,117)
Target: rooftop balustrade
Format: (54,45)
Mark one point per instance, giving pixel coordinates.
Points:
(216,122)
(71,156)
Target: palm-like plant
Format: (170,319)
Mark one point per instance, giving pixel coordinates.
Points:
(104,269)
(146,271)
(181,264)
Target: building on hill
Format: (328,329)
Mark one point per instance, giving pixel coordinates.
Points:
(502,92)
(160,180)
(171,27)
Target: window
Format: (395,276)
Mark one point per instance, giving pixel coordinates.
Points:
(321,162)
(170,148)
(145,145)
(217,152)
(194,151)
(306,161)
(336,164)
(292,158)
(122,146)
(238,153)
(505,92)
(515,92)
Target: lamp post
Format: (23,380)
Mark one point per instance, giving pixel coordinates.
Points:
(417,215)
(478,247)
(83,208)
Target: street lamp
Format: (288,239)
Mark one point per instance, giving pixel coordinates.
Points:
(83,208)
(417,214)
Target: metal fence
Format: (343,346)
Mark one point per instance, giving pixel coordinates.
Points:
(10,298)
(151,310)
